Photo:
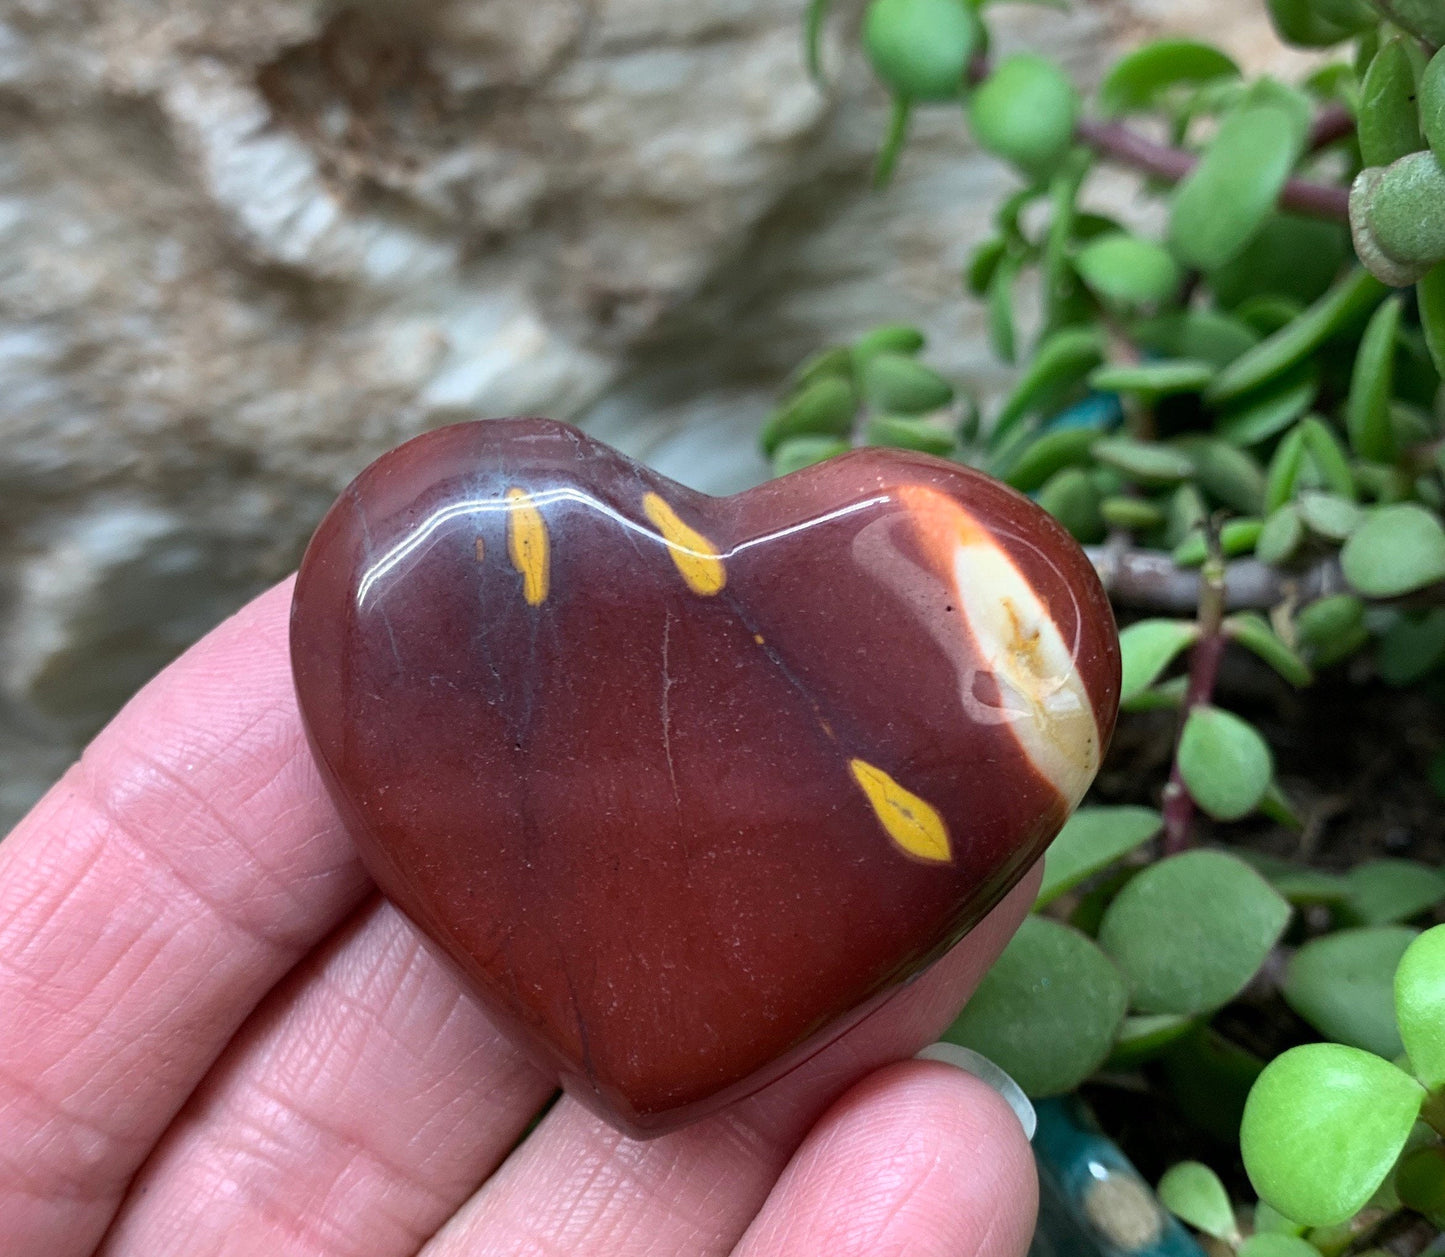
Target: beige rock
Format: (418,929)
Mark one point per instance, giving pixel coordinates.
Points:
(244,248)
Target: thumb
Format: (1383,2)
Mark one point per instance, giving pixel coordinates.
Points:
(918,1158)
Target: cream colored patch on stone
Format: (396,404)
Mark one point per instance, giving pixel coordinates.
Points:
(1042,695)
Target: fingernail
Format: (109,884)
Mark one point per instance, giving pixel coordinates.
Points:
(985,1070)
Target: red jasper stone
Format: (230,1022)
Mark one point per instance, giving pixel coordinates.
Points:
(685,785)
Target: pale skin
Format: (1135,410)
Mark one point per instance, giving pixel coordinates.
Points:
(216,1039)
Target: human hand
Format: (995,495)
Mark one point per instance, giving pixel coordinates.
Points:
(215,1038)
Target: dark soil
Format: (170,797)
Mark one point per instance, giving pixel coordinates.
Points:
(1352,754)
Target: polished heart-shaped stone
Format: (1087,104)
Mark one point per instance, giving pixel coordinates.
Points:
(685,785)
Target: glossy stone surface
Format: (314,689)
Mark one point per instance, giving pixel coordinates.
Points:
(685,785)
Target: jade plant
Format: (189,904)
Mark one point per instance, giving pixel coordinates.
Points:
(1240,414)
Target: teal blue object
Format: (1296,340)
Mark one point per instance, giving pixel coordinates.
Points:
(1097,410)
(1092,1201)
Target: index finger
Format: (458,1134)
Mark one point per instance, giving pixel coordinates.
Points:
(146,905)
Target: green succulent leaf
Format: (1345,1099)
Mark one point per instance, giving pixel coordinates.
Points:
(1280,538)
(894,338)
(1187,512)
(1048,1010)
(1329,515)
(920,48)
(824,407)
(1420,1006)
(1389,122)
(983,262)
(1225,763)
(1348,301)
(1136,80)
(1295,101)
(1420,1182)
(1239,536)
(1041,458)
(1284,469)
(803,451)
(1267,313)
(1002,335)
(1252,631)
(835,362)
(1332,628)
(1059,366)
(1412,647)
(813,22)
(1431,293)
(904,432)
(1343,984)
(1300,884)
(1275,1244)
(1269,1220)
(1192,551)
(1299,22)
(1398,231)
(1354,16)
(1132,513)
(1367,412)
(1423,18)
(1228,474)
(1152,380)
(1025,112)
(1191,930)
(1382,892)
(1322,1128)
(1328,456)
(1396,550)
(1193,1192)
(1432,105)
(899,384)
(1291,257)
(1270,409)
(1227,198)
(1072,498)
(1166,696)
(1144,461)
(1128,271)
(1058,281)
(1210,1077)
(1277,806)
(1197,335)
(1144,1035)
(1092,839)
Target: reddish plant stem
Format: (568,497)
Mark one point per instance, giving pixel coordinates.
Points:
(1203,673)
(1332,123)
(1115,140)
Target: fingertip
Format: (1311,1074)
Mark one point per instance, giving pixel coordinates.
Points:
(918,1158)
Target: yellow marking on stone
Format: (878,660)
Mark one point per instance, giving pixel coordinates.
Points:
(1024,641)
(913,824)
(527,545)
(694,555)
(758,637)
(481,550)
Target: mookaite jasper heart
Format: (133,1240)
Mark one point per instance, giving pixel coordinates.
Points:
(684,785)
